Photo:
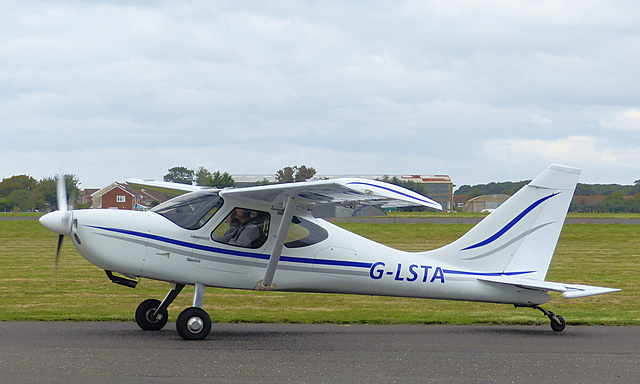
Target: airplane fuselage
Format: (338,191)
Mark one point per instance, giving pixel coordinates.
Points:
(146,244)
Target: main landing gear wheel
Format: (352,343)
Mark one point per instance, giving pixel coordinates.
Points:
(145,318)
(558,326)
(193,324)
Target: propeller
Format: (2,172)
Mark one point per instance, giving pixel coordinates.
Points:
(61,193)
(59,221)
(55,262)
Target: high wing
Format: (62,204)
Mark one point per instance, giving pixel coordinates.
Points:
(163,186)
(334,198)
(343,197)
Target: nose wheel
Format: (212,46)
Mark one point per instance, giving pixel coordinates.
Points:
(149,318)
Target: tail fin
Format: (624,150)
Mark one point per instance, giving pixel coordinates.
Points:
(519,238)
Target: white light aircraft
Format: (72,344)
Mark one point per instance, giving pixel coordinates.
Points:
(272,237)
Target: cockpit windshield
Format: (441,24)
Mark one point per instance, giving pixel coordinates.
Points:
(191,210)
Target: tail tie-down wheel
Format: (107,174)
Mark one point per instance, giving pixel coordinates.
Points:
(557,322)
(193,324)
(148,319)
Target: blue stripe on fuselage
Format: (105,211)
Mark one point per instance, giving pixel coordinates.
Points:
(510,224)
(233,252)
(291,259)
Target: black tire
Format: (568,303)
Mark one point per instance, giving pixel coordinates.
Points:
(558,327)
(193,324)
(145,319)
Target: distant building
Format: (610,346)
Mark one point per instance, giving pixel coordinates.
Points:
(86,196)
(122,196)
(485,203)
(437,187)
(458,201)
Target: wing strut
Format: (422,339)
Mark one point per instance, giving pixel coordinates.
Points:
(287,215)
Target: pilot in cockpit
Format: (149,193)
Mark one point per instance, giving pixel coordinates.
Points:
(242,231)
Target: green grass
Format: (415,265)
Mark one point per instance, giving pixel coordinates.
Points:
(30,289)
(619,216)
(571,215)
(33,215)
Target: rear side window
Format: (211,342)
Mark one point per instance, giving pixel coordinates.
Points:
(303,233)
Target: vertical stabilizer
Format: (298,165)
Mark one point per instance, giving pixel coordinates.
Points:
(537,248)
(519,238)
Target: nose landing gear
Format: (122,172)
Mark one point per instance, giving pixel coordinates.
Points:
(193,323)
(149,317)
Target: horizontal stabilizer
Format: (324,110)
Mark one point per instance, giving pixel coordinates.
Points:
(569,291)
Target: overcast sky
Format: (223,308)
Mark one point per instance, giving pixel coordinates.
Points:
(479,90)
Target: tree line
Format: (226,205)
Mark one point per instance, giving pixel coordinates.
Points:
(203,177)
(615,202)
(617,198)
(509,188)
(493,188)
(25,194)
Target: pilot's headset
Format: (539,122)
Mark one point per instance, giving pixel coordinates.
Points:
(245,213)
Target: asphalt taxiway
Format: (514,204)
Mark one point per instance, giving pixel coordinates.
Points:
(87,352)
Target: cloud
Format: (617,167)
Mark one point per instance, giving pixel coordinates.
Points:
(346,87)
(539,120)
(625,120)
(587,152)
(570,148)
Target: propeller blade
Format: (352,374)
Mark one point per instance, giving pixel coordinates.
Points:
(72,201)
(61,193)
(59,221)
(60,239)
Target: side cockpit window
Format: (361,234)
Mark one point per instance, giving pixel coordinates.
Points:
(303,233)
(246,228)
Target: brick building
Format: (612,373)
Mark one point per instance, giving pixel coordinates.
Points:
(122,196)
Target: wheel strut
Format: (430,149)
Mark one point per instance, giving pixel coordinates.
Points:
(194,323)
(557,322)
(173,293)
(152,315)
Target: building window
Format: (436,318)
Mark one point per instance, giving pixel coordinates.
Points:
(121,199)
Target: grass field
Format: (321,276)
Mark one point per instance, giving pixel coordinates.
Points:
(605,255)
